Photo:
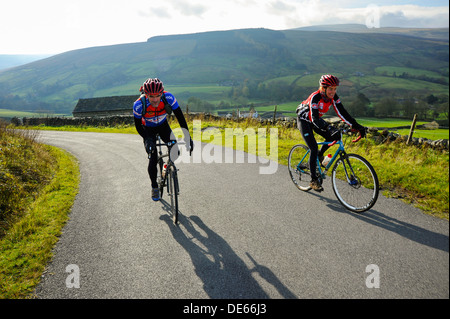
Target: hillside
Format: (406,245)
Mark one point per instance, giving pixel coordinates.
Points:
(217,60)
(9,60)
(437,34)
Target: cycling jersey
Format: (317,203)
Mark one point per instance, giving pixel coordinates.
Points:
(154,116)
(317,104)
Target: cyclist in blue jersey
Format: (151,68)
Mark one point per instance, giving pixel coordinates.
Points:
(309,121)
(153,120)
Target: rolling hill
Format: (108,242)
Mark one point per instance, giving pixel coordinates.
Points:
(438,34)
(9,60)
(207,64)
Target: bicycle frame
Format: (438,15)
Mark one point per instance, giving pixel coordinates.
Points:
(162,162)
(169,179)
(339,151)
(169,145)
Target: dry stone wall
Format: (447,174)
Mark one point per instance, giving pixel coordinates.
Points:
(379,136)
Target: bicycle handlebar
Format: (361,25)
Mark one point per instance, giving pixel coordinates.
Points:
(171,143)
(354,141)
(360,136)
(357,139)
(332,143)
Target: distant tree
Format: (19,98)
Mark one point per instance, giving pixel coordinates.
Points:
(431,99)
(198,105)
(223,105)
(387,106)
(410,107)
(443,109)
(423,109)
(359,106)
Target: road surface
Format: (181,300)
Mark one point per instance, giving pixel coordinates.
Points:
(242,234)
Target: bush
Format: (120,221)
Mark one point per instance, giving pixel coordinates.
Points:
(25,167)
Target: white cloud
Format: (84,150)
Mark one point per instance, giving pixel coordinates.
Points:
(51,26)
(187,8)
(414,16)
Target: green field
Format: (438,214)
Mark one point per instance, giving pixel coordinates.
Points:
(391,70)
(367,84)
(434,135)
(208,92)
(389,83)
(374,122)
(4,113)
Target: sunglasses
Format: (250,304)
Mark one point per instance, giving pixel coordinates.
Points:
(154,95)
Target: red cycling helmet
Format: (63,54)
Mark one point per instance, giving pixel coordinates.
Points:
(153,86)
(328,80)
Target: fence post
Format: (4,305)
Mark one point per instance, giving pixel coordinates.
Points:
(274,113)
(411,131)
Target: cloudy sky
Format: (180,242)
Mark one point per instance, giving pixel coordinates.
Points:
(55,26)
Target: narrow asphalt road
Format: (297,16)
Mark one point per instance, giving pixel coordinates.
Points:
(242,234)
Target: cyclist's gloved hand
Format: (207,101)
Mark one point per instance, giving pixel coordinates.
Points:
(360,128)
(149,145)
(189,143)
(334,133)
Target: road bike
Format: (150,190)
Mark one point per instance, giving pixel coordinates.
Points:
(168,176)
(354,180)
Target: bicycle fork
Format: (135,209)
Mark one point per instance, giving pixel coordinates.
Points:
(174,187)
(351,178)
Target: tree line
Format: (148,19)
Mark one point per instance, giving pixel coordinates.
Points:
(429,107)
(402,104)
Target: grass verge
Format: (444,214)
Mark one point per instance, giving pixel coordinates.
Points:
(26,248)
(416,175)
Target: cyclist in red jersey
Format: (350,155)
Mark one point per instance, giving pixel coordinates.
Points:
(309,120)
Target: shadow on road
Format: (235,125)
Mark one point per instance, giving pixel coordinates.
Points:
(412,232)
(223,273)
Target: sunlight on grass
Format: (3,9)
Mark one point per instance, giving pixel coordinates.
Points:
(26,247)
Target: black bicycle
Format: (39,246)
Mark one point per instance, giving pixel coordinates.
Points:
(168,176)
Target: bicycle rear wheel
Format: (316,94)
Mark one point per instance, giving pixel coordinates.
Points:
(355,183)
(298,164)
(172,191)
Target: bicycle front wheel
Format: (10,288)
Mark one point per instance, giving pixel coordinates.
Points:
(298,164)
(172,191)
(161,179)
(355,183)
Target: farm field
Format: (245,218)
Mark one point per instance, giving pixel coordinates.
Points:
(391,70)
(4,113)
(439,134)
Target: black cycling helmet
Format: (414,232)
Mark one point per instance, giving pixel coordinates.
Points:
(328,80)
(153,86)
